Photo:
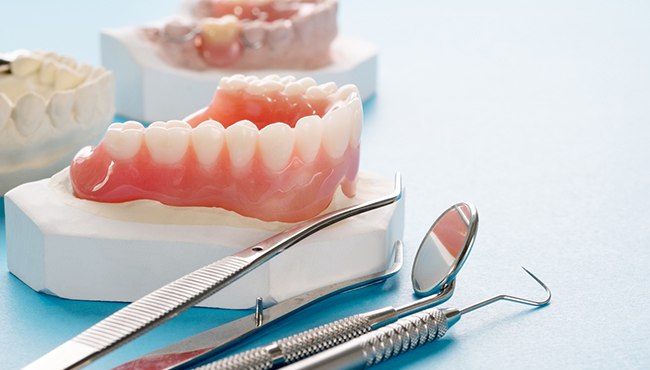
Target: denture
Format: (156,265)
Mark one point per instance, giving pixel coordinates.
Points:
(249,34)
(49,107)
(276,149)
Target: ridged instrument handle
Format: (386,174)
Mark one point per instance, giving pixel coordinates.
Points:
(381,344)
(296,347)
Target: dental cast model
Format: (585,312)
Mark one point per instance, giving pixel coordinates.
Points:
(49,107)
(249,34)
(274,148)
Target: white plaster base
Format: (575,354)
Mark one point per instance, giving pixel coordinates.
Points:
(60,245)
(148,89)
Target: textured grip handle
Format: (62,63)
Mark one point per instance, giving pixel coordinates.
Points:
(163,303)
(403,335)
(296,347)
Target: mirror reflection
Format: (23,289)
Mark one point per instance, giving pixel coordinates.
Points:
(444,248)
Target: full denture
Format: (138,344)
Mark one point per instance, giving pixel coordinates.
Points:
(275,149)
(249,34)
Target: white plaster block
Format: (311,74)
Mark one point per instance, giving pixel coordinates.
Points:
(148,89)
(78,249)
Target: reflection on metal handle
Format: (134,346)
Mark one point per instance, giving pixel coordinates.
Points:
(295,347)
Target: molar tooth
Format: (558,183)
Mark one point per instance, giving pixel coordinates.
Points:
(347,90)
(250,78)
(47,73)
(220,30)
(241,139)
(29,113)
(307,82)
(287,79)
(60,109)
(66,78)
(235,82)
(276,145)
(175,123)
(167,145)
(255,88)
(308,131)
(132,125)
(123,141)
(24,65)
(315,92)
(293,88)
(5,110)
(271,86)
(336,131)
(272,77)
(356,110)
(329,87)
(207,141)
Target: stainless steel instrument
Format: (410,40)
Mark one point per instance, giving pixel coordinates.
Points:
(183,293)
(402,336)
(211,342)
(439,258)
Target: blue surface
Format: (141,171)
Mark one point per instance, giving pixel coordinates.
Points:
(537,112)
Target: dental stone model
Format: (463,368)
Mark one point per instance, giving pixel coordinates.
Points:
(252,34)
(192,51)
(50,106)
(149,205)
(274,149)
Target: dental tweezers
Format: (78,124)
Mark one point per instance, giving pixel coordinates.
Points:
(165,303)
(211,342)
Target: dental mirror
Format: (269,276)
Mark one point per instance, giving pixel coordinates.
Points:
(444,249)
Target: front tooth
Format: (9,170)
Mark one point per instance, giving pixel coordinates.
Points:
(61,109)
(356,109)
(315,92)
(336,131)
(66,78)
(251,78)
(220,30)
(47,73)
(207,141)
(5,110)
(29,113)
(167,145)
(123,142)
(86,102)
(308,131)
(276,145)
(241,139)
(24,65)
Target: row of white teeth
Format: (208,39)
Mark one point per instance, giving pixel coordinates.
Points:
(168,142)
(287,85)
(61,72)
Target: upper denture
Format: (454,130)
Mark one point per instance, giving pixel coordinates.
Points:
(273,148)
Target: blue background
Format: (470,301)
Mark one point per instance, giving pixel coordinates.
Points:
(538,112)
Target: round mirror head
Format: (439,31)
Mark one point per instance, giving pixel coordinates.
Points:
(444,249)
